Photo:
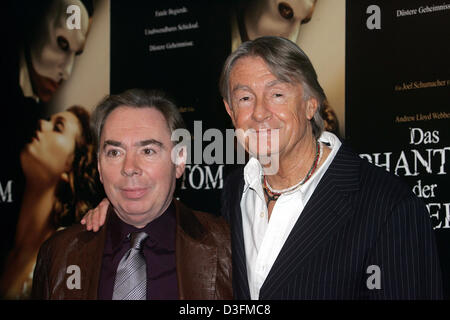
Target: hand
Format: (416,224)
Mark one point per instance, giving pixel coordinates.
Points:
(95,218)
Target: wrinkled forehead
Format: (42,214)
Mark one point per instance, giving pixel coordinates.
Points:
(281,73)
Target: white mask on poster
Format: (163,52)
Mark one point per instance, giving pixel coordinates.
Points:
(278,18)
(53,54)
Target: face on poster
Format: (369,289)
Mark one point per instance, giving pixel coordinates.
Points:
(272,18)
(54,180)
(53,51)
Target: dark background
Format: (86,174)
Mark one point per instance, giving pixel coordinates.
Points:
(404,50)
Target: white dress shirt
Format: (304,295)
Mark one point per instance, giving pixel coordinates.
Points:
(264,238)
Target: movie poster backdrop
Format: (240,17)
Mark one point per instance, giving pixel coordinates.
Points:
(384,67)
(398,99)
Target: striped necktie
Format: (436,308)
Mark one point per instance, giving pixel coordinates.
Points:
(131,276)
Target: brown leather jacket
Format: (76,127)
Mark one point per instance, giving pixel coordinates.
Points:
(203,259)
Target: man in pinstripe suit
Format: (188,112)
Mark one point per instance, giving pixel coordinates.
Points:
(326,224)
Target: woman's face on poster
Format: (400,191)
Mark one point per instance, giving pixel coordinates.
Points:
(51,150)
(53,55)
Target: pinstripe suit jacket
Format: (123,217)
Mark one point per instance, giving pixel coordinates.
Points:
(358,216)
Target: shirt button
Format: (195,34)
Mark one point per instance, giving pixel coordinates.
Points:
(261,214)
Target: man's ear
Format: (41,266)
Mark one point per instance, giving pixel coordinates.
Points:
(230,111)
(180,160)
(311,108)
(228,108)
(99,171)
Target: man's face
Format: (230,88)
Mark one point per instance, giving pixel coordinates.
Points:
(260,104)
(53,56)
(135,164)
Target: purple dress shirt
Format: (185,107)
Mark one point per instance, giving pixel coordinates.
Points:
(159,253)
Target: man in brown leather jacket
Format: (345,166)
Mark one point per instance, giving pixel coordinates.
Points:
(179,254)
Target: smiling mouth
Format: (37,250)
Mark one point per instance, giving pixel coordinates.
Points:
(267,131)
(133,193)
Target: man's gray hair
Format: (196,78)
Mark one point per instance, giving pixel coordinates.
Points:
(287,62)
(136,98)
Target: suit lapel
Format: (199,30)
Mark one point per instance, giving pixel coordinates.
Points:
(326,211)
(196,261)
(240,280)
(86,253)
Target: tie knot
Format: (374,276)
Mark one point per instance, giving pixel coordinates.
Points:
(137,239)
